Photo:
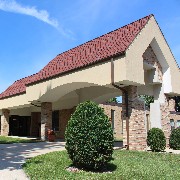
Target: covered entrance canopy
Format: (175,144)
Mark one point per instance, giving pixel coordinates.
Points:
(129,61)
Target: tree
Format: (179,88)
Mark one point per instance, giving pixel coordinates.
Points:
(174,140)
(156,139)
(113,100)
(147,99)
(89,137)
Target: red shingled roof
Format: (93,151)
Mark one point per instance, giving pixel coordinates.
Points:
(94,51)
(18,87)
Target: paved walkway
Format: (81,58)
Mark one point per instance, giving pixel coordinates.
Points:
(12,156)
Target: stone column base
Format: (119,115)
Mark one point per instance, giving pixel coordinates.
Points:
(46,119)
(5,122)
(136,125)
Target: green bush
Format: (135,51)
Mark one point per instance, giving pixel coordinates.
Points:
(174,141)
(156,139)
(89,137)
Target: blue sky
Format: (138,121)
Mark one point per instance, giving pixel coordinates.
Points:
(33,32)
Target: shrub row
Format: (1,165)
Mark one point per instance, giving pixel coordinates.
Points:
(89,137)
(157,141)
(174,141)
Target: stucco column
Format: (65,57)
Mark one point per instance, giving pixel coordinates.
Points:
(137,128)
(5,122)
(160,111)
(46,119)
(155,108)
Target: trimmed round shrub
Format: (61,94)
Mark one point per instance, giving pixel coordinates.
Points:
(174,141)
(89,137)
(156,140)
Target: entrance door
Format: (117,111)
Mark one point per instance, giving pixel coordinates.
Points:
(13,126)
(19,126)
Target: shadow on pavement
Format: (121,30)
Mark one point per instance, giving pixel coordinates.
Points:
(12,156)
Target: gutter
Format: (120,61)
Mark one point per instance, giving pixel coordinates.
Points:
(126,101)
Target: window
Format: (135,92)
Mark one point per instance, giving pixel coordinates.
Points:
(122,126)
(178,124)
(172,124)
(112,118)
(147,122)
(55,120)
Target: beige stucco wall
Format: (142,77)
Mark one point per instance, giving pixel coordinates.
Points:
(14,102)
(53,89)
(152,35)
(96,75)
(128,71)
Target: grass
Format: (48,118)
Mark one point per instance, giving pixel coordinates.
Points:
(10,140)
(126,165)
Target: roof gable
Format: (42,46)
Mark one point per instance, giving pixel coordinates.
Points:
(97,50)
(94,51)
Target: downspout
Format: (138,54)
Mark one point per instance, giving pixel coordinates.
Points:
(126,100)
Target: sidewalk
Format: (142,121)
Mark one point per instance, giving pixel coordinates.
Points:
(12,156)
(172,151)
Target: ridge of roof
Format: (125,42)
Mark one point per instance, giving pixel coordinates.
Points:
(78,55)
(91,52)
(148,16)
(17,88)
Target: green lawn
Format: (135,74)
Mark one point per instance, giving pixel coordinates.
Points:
(9,140)
(126,165)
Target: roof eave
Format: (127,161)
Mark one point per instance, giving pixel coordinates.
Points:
(76,69)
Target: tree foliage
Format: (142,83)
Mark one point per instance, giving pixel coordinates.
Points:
(113,100)
(174,140)
(148,100)
(89,137)
(156,139)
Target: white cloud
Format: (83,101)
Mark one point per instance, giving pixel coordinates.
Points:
(43,15)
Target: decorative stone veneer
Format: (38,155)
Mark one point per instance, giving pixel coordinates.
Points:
(108,107)
(168,106)
(137,129)
(150,58)
(137,115)
(5,122)
(46,119)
